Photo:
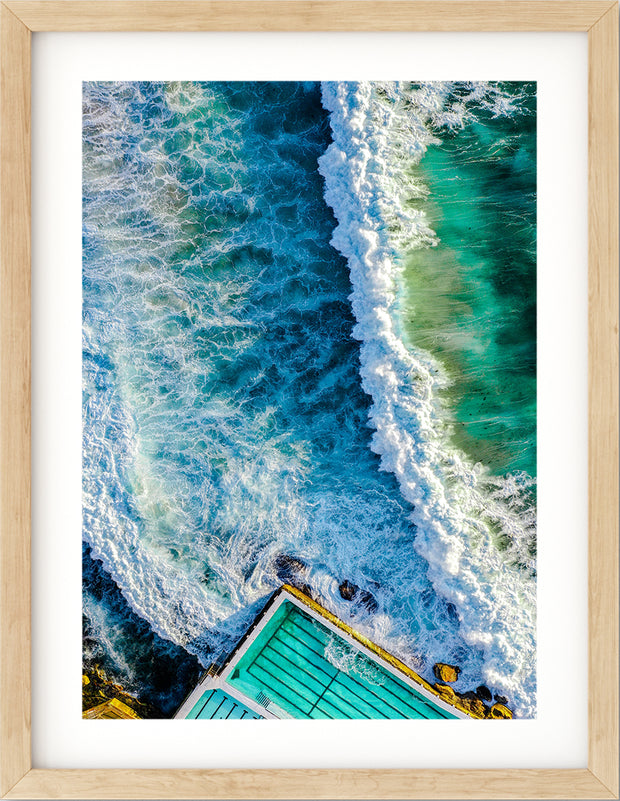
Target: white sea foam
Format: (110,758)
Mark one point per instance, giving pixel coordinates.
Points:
(379,132)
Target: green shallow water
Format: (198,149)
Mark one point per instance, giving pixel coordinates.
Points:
(471,300)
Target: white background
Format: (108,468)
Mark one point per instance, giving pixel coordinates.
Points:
(558,737)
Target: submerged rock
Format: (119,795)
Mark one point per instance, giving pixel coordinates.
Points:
(288,568)
(368,600)
(501,699)
(347,590)
(307,590)
(446,673)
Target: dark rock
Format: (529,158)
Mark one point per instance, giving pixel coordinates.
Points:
(368,600)
(484,693)
(347,590)
(288,567)
(501,699)
(446,673)
(452,613)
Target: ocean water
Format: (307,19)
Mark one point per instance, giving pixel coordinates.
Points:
(300,363)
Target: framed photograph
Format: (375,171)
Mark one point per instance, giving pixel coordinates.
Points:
(337,465)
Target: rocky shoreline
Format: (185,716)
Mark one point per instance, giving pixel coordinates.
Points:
(97,688)
(478,702)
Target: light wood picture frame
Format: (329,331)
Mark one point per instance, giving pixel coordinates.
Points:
(18,20)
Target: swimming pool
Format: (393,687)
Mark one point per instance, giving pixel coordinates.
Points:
(298,664)
(215,704)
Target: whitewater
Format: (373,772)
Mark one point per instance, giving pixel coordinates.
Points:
(254,411)
(377,132)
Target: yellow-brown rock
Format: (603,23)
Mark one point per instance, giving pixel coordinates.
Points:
(110,710)
(446,673)
(447,693)
(500,711)
(97,689)
(474,706)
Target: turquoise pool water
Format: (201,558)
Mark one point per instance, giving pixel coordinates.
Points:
(218,705)
(308,671)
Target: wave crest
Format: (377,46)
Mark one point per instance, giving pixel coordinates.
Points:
(475,531)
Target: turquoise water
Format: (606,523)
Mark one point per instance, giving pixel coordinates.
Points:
(217,705)
(471,299)
(311,672)
(256,407)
